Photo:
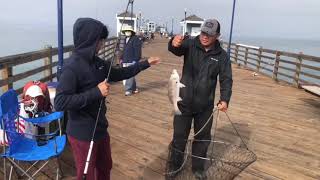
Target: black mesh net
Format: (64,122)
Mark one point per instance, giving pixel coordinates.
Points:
(223,161)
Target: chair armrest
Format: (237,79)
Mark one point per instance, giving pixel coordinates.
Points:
(45,119)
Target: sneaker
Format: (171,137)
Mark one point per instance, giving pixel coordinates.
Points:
(136,91)
(128,93)
(200,175)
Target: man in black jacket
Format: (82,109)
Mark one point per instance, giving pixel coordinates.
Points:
(204,61)
(82,87)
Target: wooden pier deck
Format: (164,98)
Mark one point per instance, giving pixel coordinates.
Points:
(280,123)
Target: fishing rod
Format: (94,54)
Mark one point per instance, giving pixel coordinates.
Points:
(84,177)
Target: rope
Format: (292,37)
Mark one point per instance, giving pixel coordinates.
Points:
(214,110)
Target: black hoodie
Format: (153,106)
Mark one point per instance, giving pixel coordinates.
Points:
(77,91)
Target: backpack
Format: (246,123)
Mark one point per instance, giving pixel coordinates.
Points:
(36,98)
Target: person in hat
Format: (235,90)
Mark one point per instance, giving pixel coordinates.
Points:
(81,92)
(131,55)
(204,61)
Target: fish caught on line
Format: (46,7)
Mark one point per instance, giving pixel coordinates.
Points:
(174,86)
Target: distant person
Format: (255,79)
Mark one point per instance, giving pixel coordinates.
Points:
(186,35)
(82,90)
(131,55)
(204,62)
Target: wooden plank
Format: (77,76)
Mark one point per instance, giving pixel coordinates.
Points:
(249,47)
(269,51)
(287,68)
(17,59)
(311,67)
(288,62)
(311,58)
(23,58)
(254,59)
(23,75)
(253,64)
(310,75)
(312,88)
(289,54)
(285,75)
(267,57)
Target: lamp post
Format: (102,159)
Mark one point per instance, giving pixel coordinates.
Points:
(60,38)
(140,21)
(172,26)
(166,26)
(231,28)
(185,21)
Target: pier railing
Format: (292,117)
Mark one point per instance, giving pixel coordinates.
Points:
(16,70)
(293,68)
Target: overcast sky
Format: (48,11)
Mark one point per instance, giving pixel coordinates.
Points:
(257,18)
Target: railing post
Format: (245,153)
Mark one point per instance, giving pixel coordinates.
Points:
(6,73)
(298,69)
(48,61)
(236,54)
(276,66)
(259,59)
(246,57)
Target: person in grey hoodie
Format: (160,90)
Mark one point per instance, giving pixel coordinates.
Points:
(81,89)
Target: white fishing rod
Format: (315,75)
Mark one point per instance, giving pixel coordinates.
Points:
(84,177)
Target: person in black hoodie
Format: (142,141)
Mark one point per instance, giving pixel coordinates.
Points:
(204,61)
(81,88)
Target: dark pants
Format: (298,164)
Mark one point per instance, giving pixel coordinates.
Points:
(100,164)
(182,125)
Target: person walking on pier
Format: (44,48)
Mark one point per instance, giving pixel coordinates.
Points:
(204,61)
(131,55)
(81,89)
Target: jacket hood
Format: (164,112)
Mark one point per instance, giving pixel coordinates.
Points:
(86,34)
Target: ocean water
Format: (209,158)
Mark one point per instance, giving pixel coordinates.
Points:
(306,46)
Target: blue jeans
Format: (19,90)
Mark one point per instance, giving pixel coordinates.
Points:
(130,84)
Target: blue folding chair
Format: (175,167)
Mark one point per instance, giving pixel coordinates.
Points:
(22,149)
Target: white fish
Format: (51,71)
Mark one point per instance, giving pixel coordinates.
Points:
(173,91)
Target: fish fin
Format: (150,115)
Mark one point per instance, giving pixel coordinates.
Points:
(181,85)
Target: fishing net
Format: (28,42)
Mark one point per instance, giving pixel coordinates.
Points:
(224,160)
